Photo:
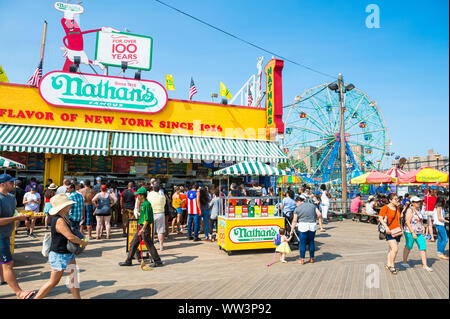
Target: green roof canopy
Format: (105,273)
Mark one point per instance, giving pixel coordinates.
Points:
(251,168)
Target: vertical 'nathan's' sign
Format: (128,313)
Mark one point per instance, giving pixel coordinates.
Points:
(274,95)
(102,92)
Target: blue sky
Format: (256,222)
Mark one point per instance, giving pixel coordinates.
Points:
(403,65)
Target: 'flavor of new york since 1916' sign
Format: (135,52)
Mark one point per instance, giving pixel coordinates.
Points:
(113,48)
(102,92)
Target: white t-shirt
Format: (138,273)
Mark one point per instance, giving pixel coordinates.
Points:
(325,201)
(32,206)
(436,220)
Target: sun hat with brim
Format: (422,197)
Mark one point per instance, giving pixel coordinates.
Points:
(59,201)
(415,199)
(142,191)
(53,186)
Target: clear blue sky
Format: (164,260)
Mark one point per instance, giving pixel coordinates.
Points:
(403,65)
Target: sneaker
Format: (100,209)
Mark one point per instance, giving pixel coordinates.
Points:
(428,269)
(154,265)
(124,235)
(126,263)
(191,238)
(197,239)
(405,265)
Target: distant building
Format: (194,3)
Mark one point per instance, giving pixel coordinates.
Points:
(436,161)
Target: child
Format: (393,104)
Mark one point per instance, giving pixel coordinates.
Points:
(283,248)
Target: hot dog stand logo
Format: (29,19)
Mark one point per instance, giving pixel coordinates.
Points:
(251,234)
(100,92)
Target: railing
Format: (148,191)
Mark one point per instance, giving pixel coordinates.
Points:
(336,208)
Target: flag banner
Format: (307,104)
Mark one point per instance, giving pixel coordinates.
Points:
(169,82)
(192,89)
(224,91)
(36,77)
(3,77)
(250,97)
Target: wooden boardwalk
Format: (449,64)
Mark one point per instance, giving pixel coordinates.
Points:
(348,258)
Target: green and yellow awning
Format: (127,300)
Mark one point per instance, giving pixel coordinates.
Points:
(15,138)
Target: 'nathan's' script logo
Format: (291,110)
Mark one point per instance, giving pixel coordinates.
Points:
(248,234)
(93,91)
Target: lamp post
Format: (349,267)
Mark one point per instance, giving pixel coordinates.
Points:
(416,159)
(341,89)
(437,160)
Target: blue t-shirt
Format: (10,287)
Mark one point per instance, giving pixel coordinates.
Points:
(288,205)
(7,208)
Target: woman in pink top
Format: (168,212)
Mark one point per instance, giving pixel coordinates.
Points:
(355,206)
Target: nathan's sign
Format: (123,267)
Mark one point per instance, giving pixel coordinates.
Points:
(102,92)
(69,8)
(274,96)
(113,48)
(253,234)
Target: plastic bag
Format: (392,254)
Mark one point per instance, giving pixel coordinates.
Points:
(46,243)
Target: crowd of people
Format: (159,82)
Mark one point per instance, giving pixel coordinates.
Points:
(193,210)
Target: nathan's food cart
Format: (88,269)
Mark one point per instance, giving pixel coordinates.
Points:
(248,223)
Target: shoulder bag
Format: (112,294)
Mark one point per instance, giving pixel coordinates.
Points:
(382,230)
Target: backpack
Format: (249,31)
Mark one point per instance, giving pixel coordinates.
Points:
(277,240)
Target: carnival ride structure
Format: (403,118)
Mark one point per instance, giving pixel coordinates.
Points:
(312,134)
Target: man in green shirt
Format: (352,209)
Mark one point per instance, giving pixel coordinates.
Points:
(145,221)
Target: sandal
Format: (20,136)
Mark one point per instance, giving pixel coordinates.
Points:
(393,270)
(301,261)
(442,257)
(428,269)
(29,295)
(311,260)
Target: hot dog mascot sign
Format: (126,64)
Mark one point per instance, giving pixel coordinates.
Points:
(73,41)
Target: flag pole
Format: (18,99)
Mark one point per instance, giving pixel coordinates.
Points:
(44,35)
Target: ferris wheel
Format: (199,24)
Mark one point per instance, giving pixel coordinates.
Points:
(312,138)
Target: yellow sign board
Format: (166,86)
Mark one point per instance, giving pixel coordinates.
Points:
(248,233)
(132,229)
(24,106)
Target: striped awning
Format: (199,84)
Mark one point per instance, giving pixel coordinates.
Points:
(5,162)
(192,147)
(251,168)
(29,139)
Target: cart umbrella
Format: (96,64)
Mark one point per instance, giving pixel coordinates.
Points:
(251,168)
(373,177)
(7,163)
(395,172)
(424,175)
(290,180)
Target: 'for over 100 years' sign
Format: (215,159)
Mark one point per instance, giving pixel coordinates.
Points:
(102,92)
(113,48)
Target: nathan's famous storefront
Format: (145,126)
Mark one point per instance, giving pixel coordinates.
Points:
(72,126)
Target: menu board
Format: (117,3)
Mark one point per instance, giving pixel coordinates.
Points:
(176,168)
(122,164)
(141,166)
(78,163)
(101,164)
(16,156)
(157,166)
(36,162)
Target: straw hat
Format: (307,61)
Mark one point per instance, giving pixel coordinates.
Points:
(59,201)
(53,186)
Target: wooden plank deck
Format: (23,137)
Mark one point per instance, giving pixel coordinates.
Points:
(201,270)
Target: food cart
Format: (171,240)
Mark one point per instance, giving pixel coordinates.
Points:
(248,223)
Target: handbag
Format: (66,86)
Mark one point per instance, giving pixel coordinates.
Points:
(46,244)
(382,230)
(75,249)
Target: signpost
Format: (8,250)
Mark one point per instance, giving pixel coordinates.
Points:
(113,48)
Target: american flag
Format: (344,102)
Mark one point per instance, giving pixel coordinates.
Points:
(250,97)
(36,77)
(192,89)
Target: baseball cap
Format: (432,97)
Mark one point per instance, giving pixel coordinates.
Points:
(142,191)
(318,192)
(98,178)
(6,178)
(33,187)
(415,199)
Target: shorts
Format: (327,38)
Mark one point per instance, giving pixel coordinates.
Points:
(159,223)
(179,210)
(389,237)
(47,208)
(88,215)
(5,251)
(59,261)
(126,215)
(420,241)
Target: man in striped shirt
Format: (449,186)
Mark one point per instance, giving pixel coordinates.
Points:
(193,208)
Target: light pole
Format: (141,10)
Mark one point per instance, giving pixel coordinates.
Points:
(437,160)
(341,89)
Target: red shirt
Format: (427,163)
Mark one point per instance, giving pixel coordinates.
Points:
(430,202)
